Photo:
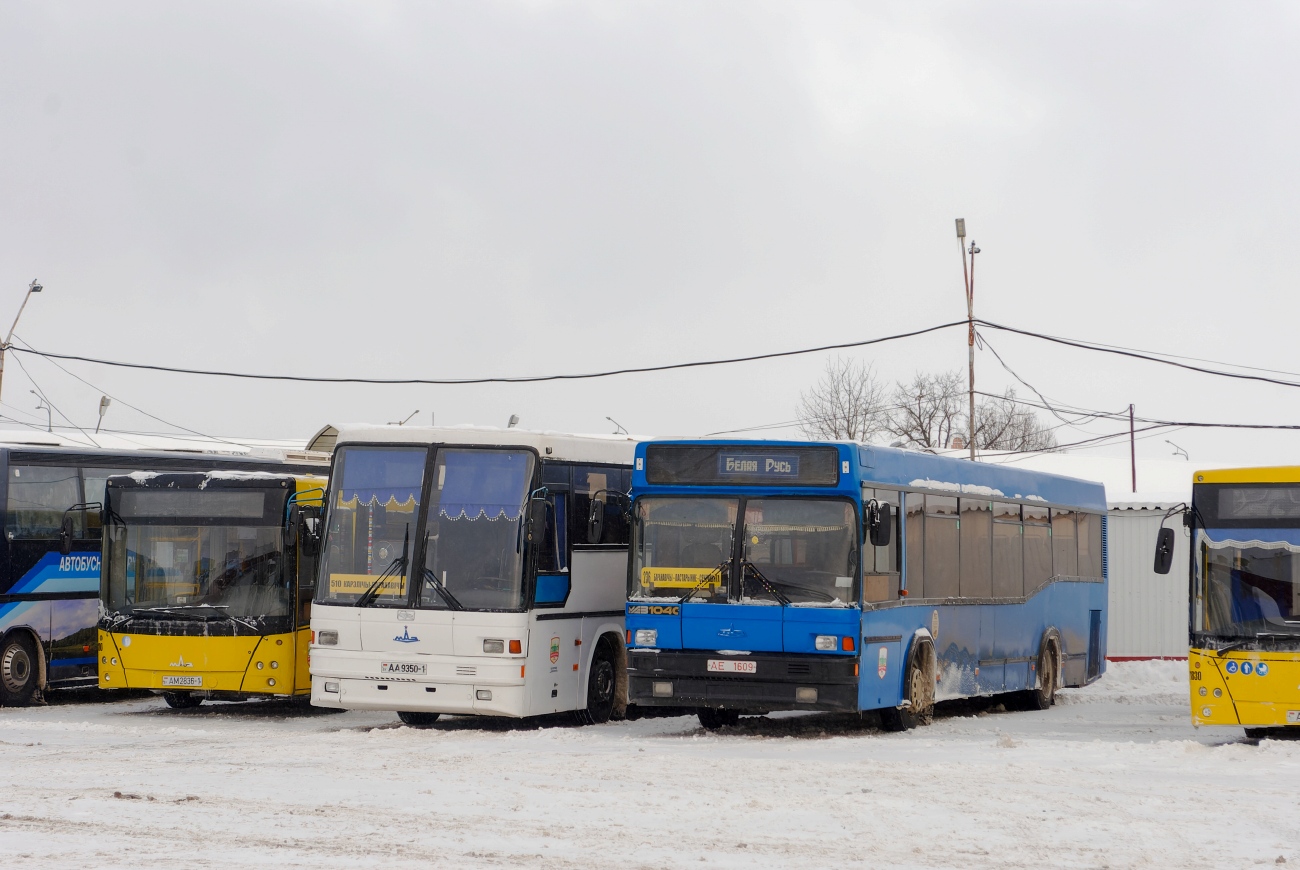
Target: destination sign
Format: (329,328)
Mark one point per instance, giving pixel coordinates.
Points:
(742,464)
(751,465)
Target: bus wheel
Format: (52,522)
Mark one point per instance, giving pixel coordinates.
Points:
(417,720)
(18,669)
(920,695)
(713,719)
(602,685)
(1044,695)
(182,700)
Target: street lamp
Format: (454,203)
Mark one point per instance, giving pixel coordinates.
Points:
(104,402)
(42,405)
(34,287)
(618,427)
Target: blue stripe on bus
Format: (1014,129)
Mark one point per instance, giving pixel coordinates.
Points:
(86,660)
(76,572)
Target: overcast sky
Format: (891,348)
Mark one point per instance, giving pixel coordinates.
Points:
(471,189)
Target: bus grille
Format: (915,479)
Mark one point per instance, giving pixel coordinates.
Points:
(466,670)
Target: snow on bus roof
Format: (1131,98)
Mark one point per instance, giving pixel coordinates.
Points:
(613,449)
(256,448)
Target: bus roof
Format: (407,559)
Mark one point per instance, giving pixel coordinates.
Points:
(1273,474)
(925,472)
(610,449)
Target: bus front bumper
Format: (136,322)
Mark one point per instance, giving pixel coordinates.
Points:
(778,681)
(459,686)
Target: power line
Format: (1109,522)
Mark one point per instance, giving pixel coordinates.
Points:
(527,379)
(1100,348)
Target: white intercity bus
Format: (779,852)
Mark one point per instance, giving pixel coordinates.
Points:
(473,571)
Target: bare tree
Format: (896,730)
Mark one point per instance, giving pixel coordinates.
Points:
(928,411)
(1001,424)
(848,403)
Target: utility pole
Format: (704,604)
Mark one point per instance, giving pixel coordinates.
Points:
(968,278)
(1132,448)
(34,287)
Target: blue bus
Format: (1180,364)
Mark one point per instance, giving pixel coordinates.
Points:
(50,501)
(781,575)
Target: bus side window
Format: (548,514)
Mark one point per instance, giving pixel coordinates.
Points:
(607,484)
(914,527)
(1038,547)
(93,484)
(1065,549)
(554,554)
(976,548)
(38,496)
(1089,545)
(880,567)
(942,547)
(305,568)
(1008,554)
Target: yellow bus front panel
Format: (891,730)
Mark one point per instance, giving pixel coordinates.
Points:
(245,665)
(1254,689)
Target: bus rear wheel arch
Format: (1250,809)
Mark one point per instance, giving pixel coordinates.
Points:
(1047,679)
(20,669)
(918,692)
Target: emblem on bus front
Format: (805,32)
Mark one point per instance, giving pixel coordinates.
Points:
(405,636)
(180,663)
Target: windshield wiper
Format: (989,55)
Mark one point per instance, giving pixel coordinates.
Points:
(431,579)
(186,611)
(767,584)
(397,564)
(703,582)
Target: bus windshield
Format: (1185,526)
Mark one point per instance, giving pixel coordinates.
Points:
(473,553)
(178,570)
(805,550)
(375,495)
(793,551)
(1250,587)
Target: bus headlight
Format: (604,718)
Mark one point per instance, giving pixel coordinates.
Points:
(327,637)
(647,636)
(661,690)
(805,696)
(494,646)
(483,694)
(331,687)
(826,642)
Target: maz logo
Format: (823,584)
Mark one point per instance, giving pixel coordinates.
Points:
(180,663)
(405,636)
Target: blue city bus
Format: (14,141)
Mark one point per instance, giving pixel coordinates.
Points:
(781,575)
(50,501)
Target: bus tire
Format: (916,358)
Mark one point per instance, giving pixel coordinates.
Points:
(19,668)
(417,720)
(1043,695)
(602,688)
(918,691)
(713,719)
(182,700)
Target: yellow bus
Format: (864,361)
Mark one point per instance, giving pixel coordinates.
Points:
(207,584)
(1244,658)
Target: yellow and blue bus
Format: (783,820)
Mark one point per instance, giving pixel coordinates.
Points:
(842,577)
(1244,618)
(50,500)
(207,584)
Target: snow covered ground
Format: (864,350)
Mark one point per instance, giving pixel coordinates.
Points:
(1114,776)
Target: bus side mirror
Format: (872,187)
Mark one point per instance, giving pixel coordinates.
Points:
(536,518)
(305,529)
(595,521)
(1164,551)
(65,535)
(879,522)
